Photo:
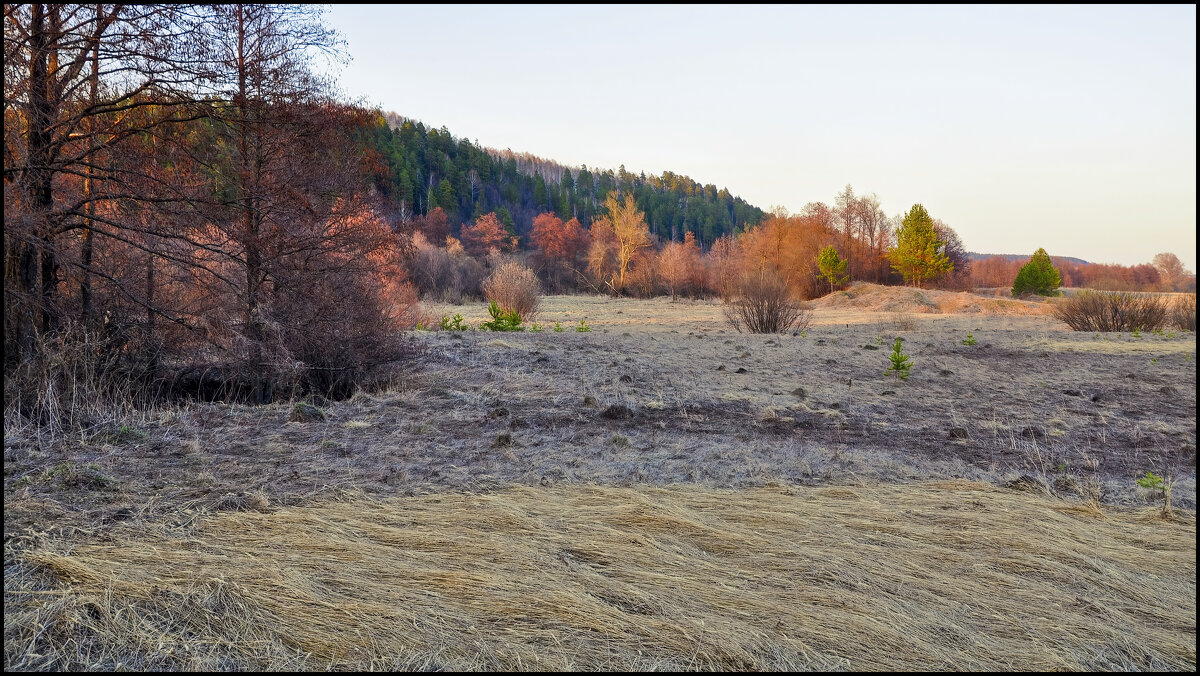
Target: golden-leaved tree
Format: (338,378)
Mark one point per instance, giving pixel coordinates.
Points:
(617,237)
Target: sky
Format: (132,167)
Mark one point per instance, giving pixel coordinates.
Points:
(1068,128)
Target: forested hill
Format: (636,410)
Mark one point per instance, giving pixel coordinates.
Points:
(420,168)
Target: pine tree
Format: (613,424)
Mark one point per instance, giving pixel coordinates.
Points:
(1037,276)
(918,255)
(832,267)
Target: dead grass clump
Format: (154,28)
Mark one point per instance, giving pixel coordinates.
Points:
(83,378)
(515,288)
(765,305)
(902,321)
(1183,312)
(931,576)
(1112,311)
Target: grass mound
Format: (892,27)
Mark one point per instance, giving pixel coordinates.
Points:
(877,298)
(942,575)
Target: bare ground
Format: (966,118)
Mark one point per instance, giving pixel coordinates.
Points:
(656,394)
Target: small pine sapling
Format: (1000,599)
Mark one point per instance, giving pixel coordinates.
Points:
(501,320)
(455,324)
(1153,482)
(900,361)
(583,326)
(558,327)
(970,339)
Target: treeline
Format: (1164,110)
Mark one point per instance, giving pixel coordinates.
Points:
(620,254)
(1164,273)
(420,169)
(187,208)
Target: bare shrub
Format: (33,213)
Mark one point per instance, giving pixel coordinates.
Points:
(1119,311)
(1183,313)
(902,321)
(764,305)
(344,331)
(446,274)
(515,288)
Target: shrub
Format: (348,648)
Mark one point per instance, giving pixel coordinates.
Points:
(1118,311)
(764,305)
(514,288)
(1183,313)
(1038,276)
(447,273)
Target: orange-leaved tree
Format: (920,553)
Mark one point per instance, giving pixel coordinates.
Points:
(485,234)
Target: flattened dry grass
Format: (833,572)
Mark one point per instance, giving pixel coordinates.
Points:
(947,575)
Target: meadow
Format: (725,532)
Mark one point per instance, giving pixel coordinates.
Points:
(657,492)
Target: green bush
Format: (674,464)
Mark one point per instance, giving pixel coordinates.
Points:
(1038,276)
(583,326)
(501,320)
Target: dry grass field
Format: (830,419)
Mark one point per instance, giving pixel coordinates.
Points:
(658,493)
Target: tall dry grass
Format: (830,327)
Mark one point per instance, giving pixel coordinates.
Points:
(83,378)
(949,575)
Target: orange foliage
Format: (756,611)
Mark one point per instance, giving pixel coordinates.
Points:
(434,225)
(485,234)
(790,245)
(558,241)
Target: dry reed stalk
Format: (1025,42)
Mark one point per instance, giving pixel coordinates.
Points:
(935,575)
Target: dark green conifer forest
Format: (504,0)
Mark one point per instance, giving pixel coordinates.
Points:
(420,168)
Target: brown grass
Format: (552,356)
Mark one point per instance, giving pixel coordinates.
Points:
(866,297)
(935,575)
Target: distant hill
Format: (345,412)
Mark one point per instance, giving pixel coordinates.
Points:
(1021,257)
(421,168)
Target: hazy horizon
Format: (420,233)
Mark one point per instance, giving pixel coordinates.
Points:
(1065,128)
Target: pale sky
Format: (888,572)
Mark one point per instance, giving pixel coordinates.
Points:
(1070,128)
